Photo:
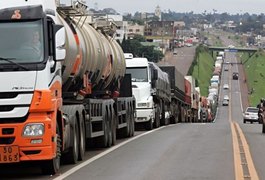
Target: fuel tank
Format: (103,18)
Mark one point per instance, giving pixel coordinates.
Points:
(91,54)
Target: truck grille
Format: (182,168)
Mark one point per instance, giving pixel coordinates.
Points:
(13,120)
(8,95)
(6,108)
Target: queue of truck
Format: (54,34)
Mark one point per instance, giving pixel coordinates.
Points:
(77,90)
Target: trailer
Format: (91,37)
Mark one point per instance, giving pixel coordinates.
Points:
(66,92)
(151,90)
(181,101)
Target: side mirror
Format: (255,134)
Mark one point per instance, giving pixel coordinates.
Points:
(60,44)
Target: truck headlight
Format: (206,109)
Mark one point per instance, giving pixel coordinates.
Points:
(33,130)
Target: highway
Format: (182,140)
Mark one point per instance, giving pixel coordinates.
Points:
(224,150)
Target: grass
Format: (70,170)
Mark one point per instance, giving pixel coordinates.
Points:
(255,72)
(202,71)
(216,40)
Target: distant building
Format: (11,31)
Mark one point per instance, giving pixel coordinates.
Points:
(207,26)
(121,31)
(162,32)
(165,29)
(135,29)
(158,13)
(179,24)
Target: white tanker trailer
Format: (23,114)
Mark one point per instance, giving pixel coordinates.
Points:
(63,89)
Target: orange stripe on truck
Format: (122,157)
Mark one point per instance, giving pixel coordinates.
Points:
(47,100)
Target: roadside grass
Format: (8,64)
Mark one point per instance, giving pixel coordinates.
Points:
(255,73)
(215,40)
(202,71)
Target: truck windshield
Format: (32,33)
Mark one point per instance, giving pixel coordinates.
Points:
(138,74)
(23,41)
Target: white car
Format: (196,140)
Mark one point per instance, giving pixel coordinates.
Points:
(251,115)
(226,97)
(225,102)
(231,46)
(226,86)
(226,68)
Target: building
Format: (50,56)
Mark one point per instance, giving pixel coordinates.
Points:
(158,13)
(121,26)
(135,29)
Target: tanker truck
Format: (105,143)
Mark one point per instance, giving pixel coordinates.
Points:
(151,89)
(70,93)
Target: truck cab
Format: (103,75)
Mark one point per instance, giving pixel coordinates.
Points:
(142,77)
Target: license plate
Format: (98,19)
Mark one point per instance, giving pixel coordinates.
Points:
(9,154)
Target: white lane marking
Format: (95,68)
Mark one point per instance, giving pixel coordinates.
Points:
(85,163)
(240,88)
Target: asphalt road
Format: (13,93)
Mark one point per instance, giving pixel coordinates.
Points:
(182,60)
(190,151)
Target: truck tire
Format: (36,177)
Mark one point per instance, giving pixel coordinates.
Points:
(110,127)
(113,120)
(82,138)
(131,122)
(263,128)
(71,157)
(149,125)
(103,141)
(51,167)
(163,119)
(157,117)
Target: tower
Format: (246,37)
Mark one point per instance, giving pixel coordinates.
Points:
(158,12)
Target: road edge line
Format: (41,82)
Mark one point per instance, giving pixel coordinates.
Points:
(85,163)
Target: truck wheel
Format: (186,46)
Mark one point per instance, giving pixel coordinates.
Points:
(157,117)
(51,167)
(82,139)
(103,141)
(113,120)
(163,118)
(263,128)
(110,132)
(71,156)
(149,125)
(132,124)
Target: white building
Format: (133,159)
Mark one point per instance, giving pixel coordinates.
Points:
(122,26)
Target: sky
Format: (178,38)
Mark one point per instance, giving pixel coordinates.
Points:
(197,6)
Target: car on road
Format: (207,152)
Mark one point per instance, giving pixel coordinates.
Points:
(225,102)
(226,97)
(231,46)
(235,76)
(226,68)
(226,86)
(251,115)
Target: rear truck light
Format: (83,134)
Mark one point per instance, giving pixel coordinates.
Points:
(33,130)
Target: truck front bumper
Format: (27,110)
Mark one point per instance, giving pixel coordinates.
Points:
(29,148)
(144,115)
